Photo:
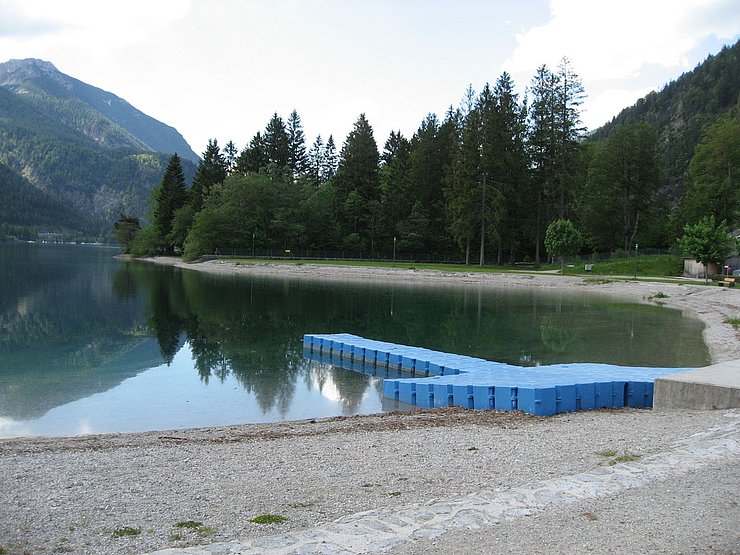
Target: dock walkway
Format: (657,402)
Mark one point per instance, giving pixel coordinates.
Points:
(438,379)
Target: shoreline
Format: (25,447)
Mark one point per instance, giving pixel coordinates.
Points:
(73,494)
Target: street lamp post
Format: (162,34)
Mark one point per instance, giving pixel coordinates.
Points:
(253,245)
(637,247)
(394,251)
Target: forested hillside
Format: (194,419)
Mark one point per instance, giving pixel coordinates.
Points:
(85,170)
(682,112)
(484,184)
(102,116)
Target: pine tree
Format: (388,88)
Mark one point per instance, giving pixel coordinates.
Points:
(297,159)
(253,157)
(331,160)
(170,195)
(211,170)
(316,162)
(395,185)
(231,154)
(357,184)
(277,142)
(463,178)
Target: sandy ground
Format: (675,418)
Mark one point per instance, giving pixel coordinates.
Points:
(72,495)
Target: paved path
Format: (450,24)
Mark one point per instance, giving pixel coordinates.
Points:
(383,529)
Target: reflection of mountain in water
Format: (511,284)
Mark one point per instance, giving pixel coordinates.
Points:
(65,333)
(33,387)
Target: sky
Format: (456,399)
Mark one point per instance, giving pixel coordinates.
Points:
(220,68)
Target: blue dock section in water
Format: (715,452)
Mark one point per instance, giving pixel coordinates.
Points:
(428,378)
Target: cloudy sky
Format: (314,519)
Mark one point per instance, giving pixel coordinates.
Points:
(220,68)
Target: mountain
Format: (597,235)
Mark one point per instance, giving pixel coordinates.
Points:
(98,114)
(79,155)
(683,110)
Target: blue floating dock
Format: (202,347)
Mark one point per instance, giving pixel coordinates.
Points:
(428,378)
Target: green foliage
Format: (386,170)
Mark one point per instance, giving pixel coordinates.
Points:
(211,171)
(246,209)
(125,229)
(562,239)
(170,196)
(268,519)
(707,241)
(682,111)
(83,169)
(621,189)
(712,184)
(126,531)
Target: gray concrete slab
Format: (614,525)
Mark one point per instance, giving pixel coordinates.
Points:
(713,387)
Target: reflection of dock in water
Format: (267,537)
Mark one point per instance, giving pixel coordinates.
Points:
(426,378)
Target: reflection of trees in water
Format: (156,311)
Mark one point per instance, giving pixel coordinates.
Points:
(251,328)
(230,334)
(346,385)
(555,333)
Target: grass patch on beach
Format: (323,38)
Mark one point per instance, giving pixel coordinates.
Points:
(268,519)
(733,322)
(126,531)
(658,295)
(606,453)
(190,524)
(195,526)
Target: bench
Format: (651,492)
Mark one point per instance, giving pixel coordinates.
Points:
(727,282)
(589,267)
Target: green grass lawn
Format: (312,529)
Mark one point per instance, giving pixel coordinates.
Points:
(656,266)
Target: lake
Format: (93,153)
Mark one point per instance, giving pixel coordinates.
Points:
(91,344)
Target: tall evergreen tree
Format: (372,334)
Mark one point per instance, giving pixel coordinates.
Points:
(357,184)
(253,157)
(211,170)
(510,169)
(331,160)
(395,185)
(297,159)
(170,195)
(231,153)
(463,178)
(316,162)
(277,142)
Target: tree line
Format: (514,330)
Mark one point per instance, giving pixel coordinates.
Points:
(482,184)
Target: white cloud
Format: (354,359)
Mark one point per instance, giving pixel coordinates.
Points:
(626,41)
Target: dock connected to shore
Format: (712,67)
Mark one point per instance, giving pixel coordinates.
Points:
(427,378)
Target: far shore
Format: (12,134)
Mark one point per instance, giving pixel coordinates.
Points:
(714,306)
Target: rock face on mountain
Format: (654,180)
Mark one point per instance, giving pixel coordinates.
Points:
(102,116)
(86,151)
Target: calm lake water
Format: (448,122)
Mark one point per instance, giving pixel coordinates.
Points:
(90,344)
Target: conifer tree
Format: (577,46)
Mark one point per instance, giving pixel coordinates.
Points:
(231,153)
(253,157)
(277,142)
(170,195)
(316,162)
(297,159)
(211,170)
(331,160)
(357,183)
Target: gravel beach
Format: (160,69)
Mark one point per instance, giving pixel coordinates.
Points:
(180,489)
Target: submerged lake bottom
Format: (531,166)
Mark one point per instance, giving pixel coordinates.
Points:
(91,344)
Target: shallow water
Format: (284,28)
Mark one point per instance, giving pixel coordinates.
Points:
(90,344)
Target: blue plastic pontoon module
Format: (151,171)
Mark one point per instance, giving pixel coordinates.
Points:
(428,378)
